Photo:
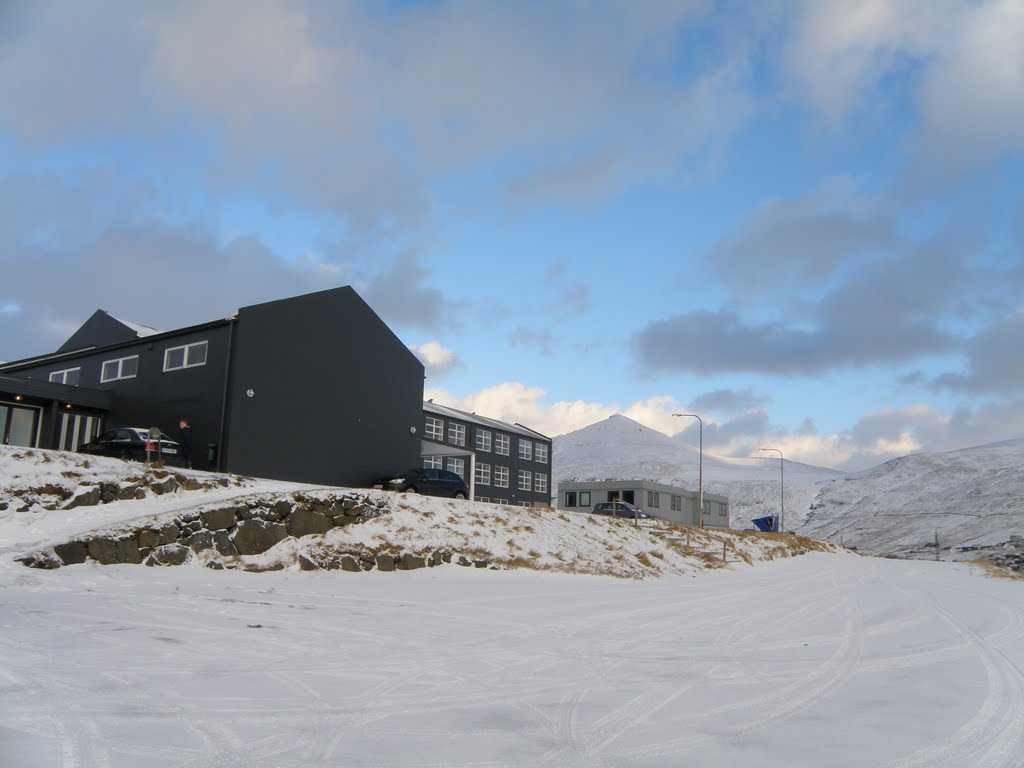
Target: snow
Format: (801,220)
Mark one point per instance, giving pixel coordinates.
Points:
(824,659)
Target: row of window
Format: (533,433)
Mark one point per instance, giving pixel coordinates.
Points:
(582,499)
(485,440)
(486,475)
(175,359)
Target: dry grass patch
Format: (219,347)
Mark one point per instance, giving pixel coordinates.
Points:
(997,571)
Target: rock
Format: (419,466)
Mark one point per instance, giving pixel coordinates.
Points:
(87,497)
(199,541)
(148,538)
(342,520)
(223,544)
(349,563)
(464,561)
(108,551)
(271,515)
(109,492)
(385,563)
(215,565)
(306,564)
(218,519)
(72,552)
(283,508)
(439,558)
(409,562)
(167,485)
(481,563)
(252,537)
(133,491)
(263,567)
(169,533)
(304,522)
(47,560)
(170,554)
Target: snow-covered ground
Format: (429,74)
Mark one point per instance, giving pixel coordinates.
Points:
(827,659)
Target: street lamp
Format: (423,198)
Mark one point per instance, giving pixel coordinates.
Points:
(700,465)
(782,488)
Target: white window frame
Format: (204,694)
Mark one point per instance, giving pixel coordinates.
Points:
(525,449)
(540,452)
(540,482)
(502,444)
(483,499)
(120,375)
(434,429)
(525,480)
(457,434)
(501,477)
(63,376)
(458,466)
(187,353)
(483,474)
(433,462)
(525,503)
(501,501)
(483,440)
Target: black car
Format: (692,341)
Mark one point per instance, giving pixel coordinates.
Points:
(618,509)
(134,444)
(432,482)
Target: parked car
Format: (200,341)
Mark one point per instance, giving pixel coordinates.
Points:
(431,482)
(618,509)
(132,443)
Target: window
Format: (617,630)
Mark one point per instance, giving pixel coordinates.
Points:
(525,480)
(483,474)
(433,462)
(570,498)
(525,449)
(456,433)
(540,483)
(458,466)
(501,444)
(435,429)
(677,503)
(540,452)
(584,498)
(501,501)
(67,376)
(501,477)
(188,356)
(122,368)
(653,499)
(525,503)
(483,440)
(484,499)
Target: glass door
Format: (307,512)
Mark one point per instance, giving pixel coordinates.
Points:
(18,425)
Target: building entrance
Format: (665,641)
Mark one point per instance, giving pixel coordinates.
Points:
(18,425)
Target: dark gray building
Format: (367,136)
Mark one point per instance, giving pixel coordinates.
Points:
(503,463)
(314,388)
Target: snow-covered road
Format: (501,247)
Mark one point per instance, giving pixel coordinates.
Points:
(822,660)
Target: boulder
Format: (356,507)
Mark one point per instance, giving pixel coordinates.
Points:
(85,497)
(251,537)
(385,563)
(72,552)
(148,538)
(109,492)
(46,560)
(410,562)
(199,541)
(169,533)
(108,551)
(349,563)
(223,544)
(129,492)
(170,554)
(307,564)
(304,521)
(218,519)
(283,508)
(167,485)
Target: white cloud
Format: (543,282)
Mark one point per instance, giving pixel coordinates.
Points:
(438,359)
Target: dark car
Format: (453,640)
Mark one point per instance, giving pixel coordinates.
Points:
(432,482)
(133,444)
(618,509)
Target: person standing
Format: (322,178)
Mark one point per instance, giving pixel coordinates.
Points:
(185,440)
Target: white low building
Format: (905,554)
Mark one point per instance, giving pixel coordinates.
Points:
(656,499)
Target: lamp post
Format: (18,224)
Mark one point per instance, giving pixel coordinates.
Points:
(782,488)
(700,464)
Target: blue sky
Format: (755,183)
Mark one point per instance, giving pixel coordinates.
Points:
(802,220)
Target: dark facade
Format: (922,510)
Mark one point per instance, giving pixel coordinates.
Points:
(503,463)
(335,394)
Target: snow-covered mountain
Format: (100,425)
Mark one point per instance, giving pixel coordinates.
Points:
(620,448)
(972,498)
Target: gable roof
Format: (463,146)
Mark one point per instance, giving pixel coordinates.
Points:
(454,413)
(102,330)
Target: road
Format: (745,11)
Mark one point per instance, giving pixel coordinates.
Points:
(823,660)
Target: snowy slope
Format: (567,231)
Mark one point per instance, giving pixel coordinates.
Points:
(972,498)
(620,448)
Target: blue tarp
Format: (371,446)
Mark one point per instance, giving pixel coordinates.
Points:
(765,524)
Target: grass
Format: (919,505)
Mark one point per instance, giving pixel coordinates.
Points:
(998,571)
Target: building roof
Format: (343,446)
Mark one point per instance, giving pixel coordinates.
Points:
(454,413)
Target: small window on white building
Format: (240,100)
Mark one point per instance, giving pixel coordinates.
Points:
(570,498)
(122,368)
(434,429)
(187,356)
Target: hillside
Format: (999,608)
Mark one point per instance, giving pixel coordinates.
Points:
(620,448)
(972,499)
